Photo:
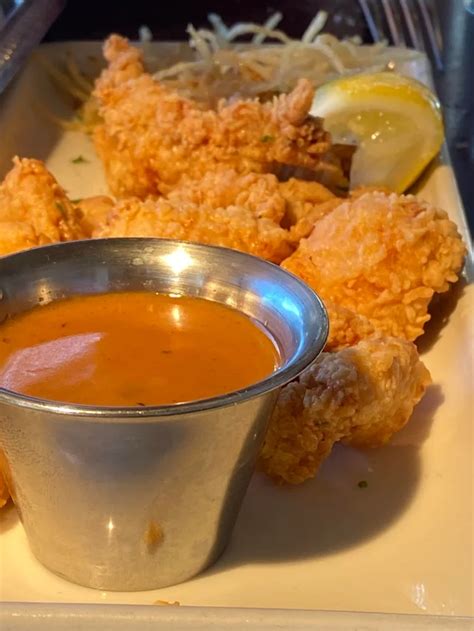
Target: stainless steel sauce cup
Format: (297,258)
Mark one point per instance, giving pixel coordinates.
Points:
(141,498)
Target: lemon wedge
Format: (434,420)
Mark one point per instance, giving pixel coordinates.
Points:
(395,121)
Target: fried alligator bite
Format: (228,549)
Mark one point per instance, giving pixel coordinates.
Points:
(34,209)
(362,395)
(382,256)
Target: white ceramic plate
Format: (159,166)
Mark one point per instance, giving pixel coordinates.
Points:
(402,545)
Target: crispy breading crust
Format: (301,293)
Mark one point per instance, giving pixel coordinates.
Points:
(346,328)
(362,394)
(227,208)
(234,227)
(94,212)
(34,209)
(383,257)
(258,193)
(151,137)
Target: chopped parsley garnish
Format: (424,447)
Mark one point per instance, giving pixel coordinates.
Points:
(79,160)
(267,138)
(363,484)
(61,209)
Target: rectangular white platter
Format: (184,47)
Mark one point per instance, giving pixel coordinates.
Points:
(403,545)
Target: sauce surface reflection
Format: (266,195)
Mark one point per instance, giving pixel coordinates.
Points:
(132,349)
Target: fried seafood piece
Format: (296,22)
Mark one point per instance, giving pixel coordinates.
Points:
(233,227)
(151,137)
(382,256)
(241,211)
(362,395)
(294,204)
(303,198)
(34,209)
(16,235)
(309,201)
(314,201)
(93,212)
(346,328)
(259,193)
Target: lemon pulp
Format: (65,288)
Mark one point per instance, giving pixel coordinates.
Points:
(395,122)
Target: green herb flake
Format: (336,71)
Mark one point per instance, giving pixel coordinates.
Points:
(79,160)
(267,138)
(363,484)
(61,209)
(76,201)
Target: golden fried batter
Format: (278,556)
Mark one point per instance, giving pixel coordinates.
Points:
(241,211)
(303,198)
(294,204)
(258,193)
(383,257)
(362,395)
(94,212)
(346,328)
(233,227)
(34,209)
(151,137)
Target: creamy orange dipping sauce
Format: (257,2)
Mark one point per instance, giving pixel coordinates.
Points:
(134,348)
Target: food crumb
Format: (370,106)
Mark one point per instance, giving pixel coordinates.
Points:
(167,603)
(363,484)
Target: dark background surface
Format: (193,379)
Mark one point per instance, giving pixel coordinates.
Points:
(89,19)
